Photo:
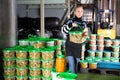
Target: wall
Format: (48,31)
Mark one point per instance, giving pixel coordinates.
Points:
(33,11)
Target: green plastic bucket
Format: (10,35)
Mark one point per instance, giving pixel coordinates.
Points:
(67,76)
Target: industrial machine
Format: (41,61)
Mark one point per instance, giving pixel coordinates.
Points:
(106,20)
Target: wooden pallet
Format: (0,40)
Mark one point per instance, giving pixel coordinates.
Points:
(100,71)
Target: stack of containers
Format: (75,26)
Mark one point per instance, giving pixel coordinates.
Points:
(34,64)
(93,47)
(115,49)
(21,63)
(47,62)
(92,44)
(9,63)
(60,46)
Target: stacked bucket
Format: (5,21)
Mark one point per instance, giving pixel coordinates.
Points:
(32,59)
(9,63)
(101,49)
(34,64)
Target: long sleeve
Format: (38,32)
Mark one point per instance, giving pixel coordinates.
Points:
(66,27)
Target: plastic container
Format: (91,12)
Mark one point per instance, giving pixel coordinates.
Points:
(21,53)
(115,48)
(45,78)
(66,76)
(97,59)
(9,71)
(23,42)
(100,37)
(34,53)
(58,42)
(9,62)
(114,59)
(50,43)
(34,71)
(91,53)
(21,71)
(58,50)
(48,63)
(100,42)
(21,63)
(107,54)
(89,59)
(93,36)
(9,53)
(60,63)
(46,72)
(9,78)
(34,78)
(93,47)
(47,54)
(21,77)
(34,63)
(93,65)
(83,64)
(99,54)
(108,42)
(92,42)
(116,42)
(106,59)
(115,54)
(100,47)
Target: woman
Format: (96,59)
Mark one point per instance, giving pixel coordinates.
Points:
(73,50)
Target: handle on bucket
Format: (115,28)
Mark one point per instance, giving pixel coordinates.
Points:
(79,27)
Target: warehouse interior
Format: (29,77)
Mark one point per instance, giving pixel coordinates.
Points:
(23,19)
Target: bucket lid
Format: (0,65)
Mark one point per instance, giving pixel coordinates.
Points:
(34,50)
(67,76)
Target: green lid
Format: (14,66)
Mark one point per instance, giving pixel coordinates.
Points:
(12,67)
(75,32)
(97,59)
(60,55)
(93,62)
(83,61)
(21,50)
(21,59)
(115,46)
(105,58)
(93,34)
(67,76)
(34,68)
(47,50)
(35,50)
(23,40)
(9,59)
(9,76)
(21,76)
(115,40)
(34,77)
(21,68)
(47,69)
(47,60)
(114,59)
(8,49)
(30,59)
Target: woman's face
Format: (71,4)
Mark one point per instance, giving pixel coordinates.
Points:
(79,12)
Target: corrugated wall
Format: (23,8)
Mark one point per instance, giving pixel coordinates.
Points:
(7,23)
(118,11)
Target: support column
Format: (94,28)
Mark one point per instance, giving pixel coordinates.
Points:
(42,18)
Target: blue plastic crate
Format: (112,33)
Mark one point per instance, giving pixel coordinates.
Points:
(110,65)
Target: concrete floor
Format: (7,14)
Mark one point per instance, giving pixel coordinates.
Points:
(97,77)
